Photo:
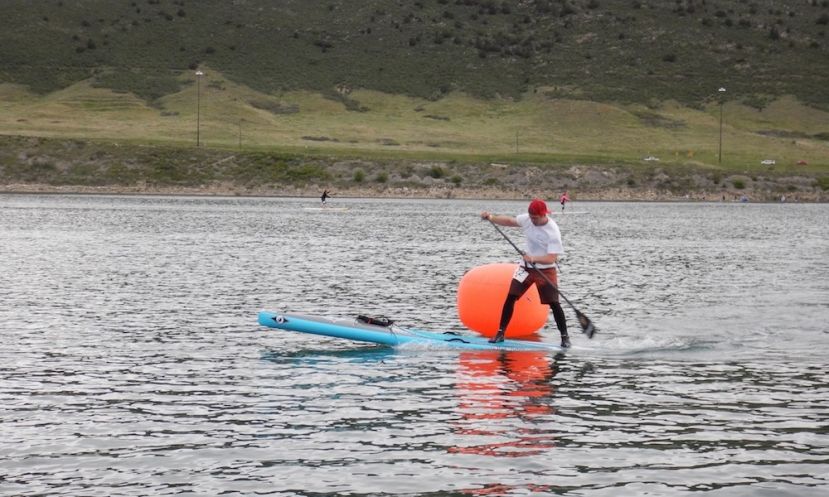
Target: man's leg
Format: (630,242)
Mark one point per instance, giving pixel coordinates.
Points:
(561,323)
(549,296)
(506,316)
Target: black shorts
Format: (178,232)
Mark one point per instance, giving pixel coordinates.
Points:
(547,292)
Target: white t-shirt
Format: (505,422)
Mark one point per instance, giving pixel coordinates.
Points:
(541,240)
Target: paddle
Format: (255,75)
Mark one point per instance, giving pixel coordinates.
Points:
(586,325)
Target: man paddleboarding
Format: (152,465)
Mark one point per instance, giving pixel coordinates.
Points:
(538,266)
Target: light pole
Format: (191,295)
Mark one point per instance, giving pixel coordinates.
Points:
(721,90)
(199,74)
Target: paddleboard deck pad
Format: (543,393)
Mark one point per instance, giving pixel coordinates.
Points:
(388,333)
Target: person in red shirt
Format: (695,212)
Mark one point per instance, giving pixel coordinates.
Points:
(564,199)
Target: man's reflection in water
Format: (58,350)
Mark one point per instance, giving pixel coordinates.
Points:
(509,386)
(500,489)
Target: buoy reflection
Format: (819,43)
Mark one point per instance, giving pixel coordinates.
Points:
(497,388)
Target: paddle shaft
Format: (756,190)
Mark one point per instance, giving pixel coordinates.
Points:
(586,325)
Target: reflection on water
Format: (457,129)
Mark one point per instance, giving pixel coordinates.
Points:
(132,361)
(498,385)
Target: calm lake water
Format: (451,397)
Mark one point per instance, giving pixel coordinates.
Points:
(132,362)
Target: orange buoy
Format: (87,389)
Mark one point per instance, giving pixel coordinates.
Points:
(481,295)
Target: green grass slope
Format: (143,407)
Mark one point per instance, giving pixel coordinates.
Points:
(534,129)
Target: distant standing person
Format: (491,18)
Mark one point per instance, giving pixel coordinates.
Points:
(564,199)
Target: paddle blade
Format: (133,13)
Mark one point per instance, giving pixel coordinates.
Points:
(586,325)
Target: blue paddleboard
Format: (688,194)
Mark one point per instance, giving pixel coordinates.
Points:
(352,329)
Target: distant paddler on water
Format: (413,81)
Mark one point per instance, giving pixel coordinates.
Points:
(564,199)
(325,194)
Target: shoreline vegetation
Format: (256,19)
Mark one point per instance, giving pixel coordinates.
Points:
(67,166)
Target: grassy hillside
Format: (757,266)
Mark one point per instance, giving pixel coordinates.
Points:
(549,84)
(537,128)
(639,51)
